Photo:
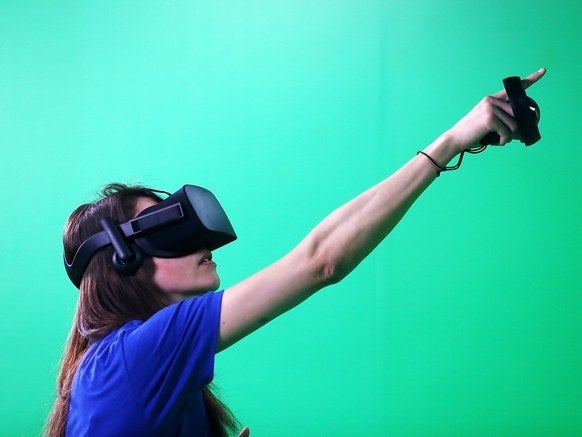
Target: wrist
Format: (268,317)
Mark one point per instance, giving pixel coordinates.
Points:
(443,149)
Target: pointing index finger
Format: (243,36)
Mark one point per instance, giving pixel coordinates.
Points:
(533,78)
(526,83)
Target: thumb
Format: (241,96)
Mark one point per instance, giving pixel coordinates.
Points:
(246,432)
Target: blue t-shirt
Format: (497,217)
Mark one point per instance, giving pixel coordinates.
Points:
(145,378)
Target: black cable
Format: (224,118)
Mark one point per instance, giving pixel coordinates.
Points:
(442,168)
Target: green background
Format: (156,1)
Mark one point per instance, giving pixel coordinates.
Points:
(466,321)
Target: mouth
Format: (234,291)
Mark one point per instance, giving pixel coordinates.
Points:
(206,258)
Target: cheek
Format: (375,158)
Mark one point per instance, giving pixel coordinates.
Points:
(171,275)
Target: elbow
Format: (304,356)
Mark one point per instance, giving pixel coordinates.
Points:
(330,272)
(326,265)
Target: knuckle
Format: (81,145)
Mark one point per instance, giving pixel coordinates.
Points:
(488,100)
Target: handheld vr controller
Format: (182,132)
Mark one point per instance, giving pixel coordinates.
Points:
(186,221)
(525,110)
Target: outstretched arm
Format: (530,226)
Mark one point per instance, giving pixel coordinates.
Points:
(343,239)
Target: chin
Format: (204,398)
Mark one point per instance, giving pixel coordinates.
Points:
(199,290)
(215,284)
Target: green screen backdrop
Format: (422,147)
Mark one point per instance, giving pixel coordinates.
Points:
(466,321)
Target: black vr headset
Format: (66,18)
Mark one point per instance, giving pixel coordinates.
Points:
(186,221)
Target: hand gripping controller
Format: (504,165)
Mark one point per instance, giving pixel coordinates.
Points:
(525,111)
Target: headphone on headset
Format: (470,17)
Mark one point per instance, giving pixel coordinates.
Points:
(127,258)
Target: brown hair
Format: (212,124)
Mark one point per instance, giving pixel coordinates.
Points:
(104,306)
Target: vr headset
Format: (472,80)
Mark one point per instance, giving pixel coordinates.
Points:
(181,224)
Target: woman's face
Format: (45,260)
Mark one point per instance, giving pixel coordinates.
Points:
(185,276)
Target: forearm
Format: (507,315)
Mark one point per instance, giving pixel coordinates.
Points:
(352,231)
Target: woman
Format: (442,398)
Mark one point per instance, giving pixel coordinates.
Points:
(139,358)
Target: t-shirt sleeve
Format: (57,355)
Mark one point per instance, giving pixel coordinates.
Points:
(172,354)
